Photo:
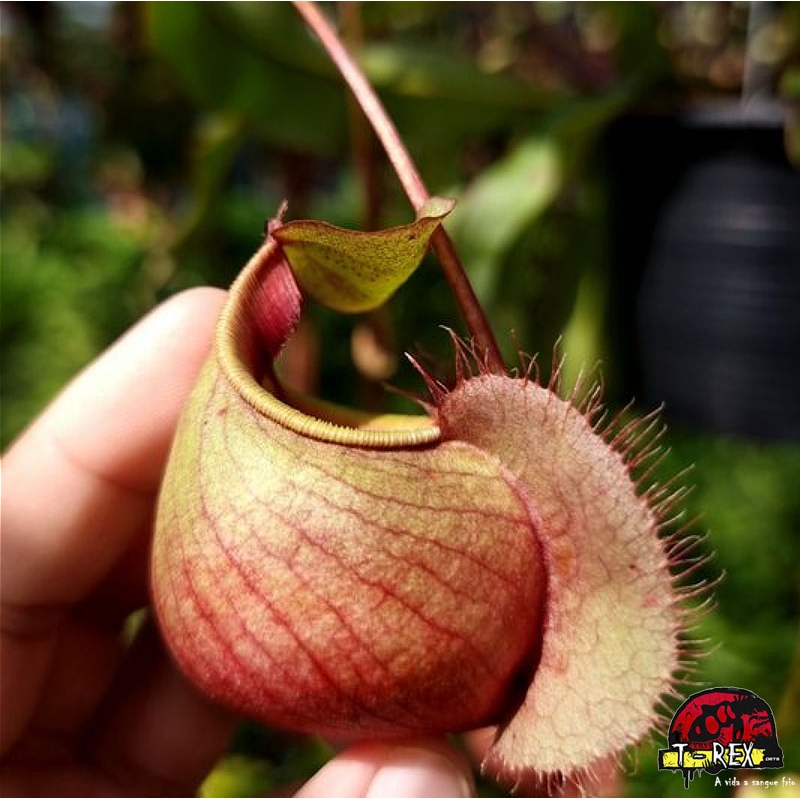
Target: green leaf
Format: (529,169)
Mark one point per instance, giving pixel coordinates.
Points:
(789,86)
(500,204)
(217,141)
(223,71)
(354,271)
(238,776)
(281,83)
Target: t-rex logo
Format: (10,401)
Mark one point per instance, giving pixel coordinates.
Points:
(720,729)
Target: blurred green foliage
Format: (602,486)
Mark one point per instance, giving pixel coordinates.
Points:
(144,146)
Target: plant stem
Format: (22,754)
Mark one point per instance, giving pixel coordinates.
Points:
(409,178)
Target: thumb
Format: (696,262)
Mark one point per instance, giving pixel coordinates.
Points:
(418,768)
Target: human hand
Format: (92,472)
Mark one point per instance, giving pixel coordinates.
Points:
(82,713)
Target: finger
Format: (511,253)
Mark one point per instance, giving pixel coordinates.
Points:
(479,742)
(80,482)
(78,486)
(85,649)
(155,736)
(155,732)
(416,768)
(80,671)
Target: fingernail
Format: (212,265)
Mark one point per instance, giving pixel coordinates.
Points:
(414,772)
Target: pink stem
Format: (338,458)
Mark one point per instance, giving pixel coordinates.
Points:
(409,178)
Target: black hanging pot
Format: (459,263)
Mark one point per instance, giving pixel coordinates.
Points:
(719,305)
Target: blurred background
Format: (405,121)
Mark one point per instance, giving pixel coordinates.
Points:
(627,181)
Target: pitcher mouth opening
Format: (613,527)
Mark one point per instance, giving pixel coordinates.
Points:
(249,368)
(328,421)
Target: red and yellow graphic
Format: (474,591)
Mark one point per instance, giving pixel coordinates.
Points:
(720,729)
